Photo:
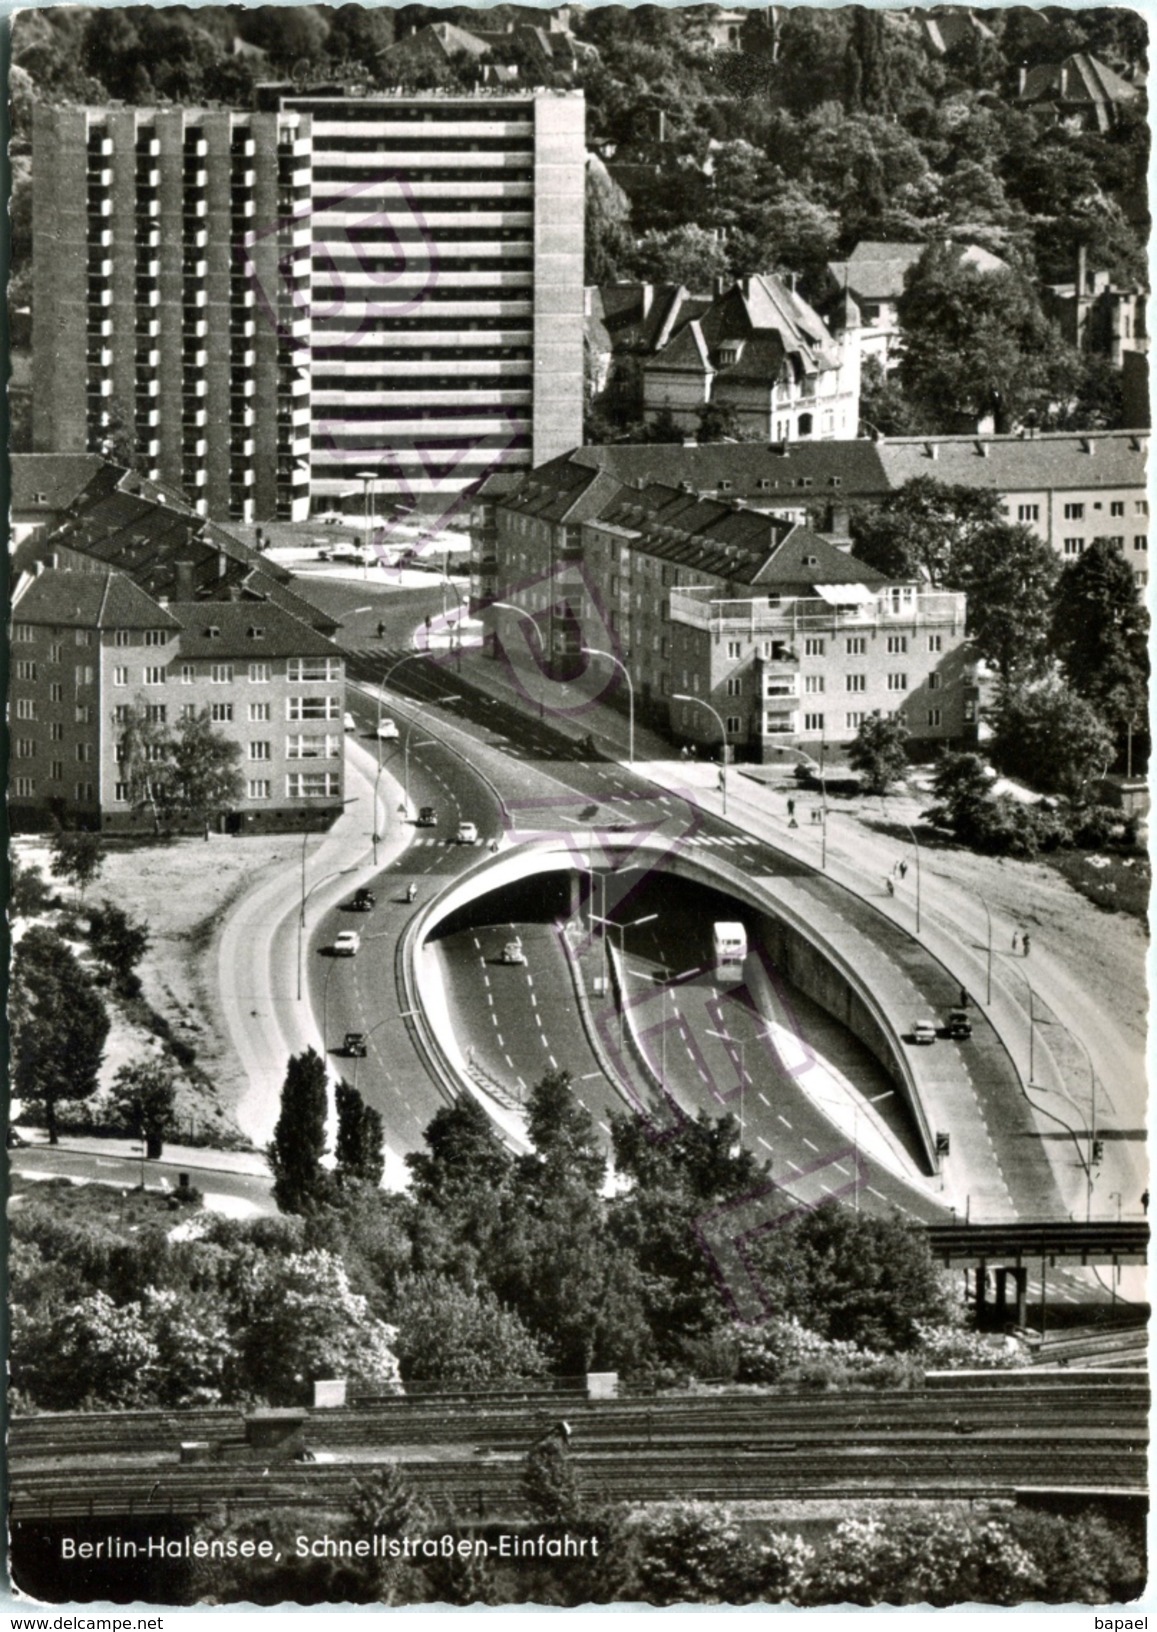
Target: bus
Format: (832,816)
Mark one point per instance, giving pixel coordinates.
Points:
(729,944)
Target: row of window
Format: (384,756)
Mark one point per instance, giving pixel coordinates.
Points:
(816,646)
(1076,511)
(816,683)
(296,747)
(24,787)
(1076,546)
(221,674)
(298,785)
(818,722)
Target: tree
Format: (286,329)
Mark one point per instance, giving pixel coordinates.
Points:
(206,766)
(976,343)
(719,422)
(1008,573)
(550,1485)
(935,1558)
(878,751)
(144,1093)
(448,1334)
(961,784)
(299,1179)
(566,1143)
(699,1553)
(77,856)
(360,1139)
(1100,632)
(28,894)
(1049,736)
(120,942)
(921,529)
(464,1154)
(684,255)
(95,1352)
(58,1024)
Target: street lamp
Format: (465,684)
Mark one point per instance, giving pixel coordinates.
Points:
(368,477)
(684,697)
(610,923)
(305,895)
(509,606)
(888,1093)
(988,972)
(596,651)
(423,742)
(741,1044)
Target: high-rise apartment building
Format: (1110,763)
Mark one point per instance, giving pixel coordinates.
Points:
(335,297)
(167,258)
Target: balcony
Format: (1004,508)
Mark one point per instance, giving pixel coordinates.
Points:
(194,477)
(101,239)
(98,327)
(148,178)
(147,360)
(99,357)
(196,209)
(194,357)
(194,328)
(241,388)
(99,268)
(839,607)
(147,419)
(196,147)
(241,447)
(242,328)
(148,295)
(242,477)
(243,180)
(148,327)
(148,266)
(99,147)
(98,208)
(243,361)
(99,178)
(196,237)
(194,388)
(194,267)
(193,448)
(194,299)
(242,415)
(99,298)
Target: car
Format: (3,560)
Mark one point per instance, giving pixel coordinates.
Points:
(923,1031)
(364,901)
(467,833)
(349,723)
(427,816)
(354,1046)
(387,729)
(959,1023)
(347,944)
(512,952)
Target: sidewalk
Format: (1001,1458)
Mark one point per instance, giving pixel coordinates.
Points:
(206,1158)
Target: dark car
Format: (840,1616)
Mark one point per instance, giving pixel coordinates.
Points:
(364,901)
(959,1023)
(355,1045)
(427,816)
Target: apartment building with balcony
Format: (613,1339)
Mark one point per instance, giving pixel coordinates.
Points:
(165,249)
(89,647)
(446,298)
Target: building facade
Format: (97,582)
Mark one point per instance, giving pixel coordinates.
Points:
(396,281)
(92,650)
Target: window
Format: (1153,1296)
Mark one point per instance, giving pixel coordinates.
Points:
(854,720)
(84,752)
(897,682)
(221,713)
(1117,540)
(735,686)
(813,722)
(156,637)
(56,771)
(813,682)
(313,668)
(856,645)
(1117,507)
(259,673)
(1074,546)
(1074,512)
(154,675)
(26,708)
(188,673)
(56,731)
(121,713)
(312,708)
(83,714)
(23,631)
(933,716)
(25,787)
(156,713)
(187,711)
(935,643)
(897,643)
(54,652)
(55,692)
(221,674)
(1141,543)
(84,637)
(735,648)
(84,793)
(258,713)
(934,681)
(26,748)
(300,747)
(856,682)
(1028,512)
(1141,508)
(120,792)
(258,789)
(733,725)
(259,750)
(122,637)
(813,646)
(25,670)
(312,785)
(255,632)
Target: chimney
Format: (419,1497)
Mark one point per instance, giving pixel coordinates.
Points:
(1082,268)
(718,285)
(588,301)
(1021,81)
(932,449)
(647,296)
(1088,445)
(661,126)
(222,563)
(184,570)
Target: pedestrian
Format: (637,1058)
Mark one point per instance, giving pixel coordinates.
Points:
(381,630)
(1027,944)
(1145,1201)
(903,869)
(891,883)
(791,807)
(1015,941)
(683,752)
(963,998)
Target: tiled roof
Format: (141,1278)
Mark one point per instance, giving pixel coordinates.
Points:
(84,600)
(763,473)
(1079,78)
(237,623)
(60,477)
(1063,460)
(875,270)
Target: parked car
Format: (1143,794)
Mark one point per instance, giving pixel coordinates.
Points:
(347,944)
(387,729)
(427,816)
(467,833)
(960,1023)
(349,722)
(364,901)
(355,1045)
(512,952)
(923,1031)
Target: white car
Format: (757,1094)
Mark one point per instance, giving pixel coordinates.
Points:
(512,952)
(347,944)
(349,722)
(467,833)
(387,729)
(923,1031)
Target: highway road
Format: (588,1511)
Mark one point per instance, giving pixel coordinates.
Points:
(239,1194)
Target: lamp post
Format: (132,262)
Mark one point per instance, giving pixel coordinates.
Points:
(685,697)
(889,1093)
(597,651)
(520,611)
(610,923)
(916,847)
(988,971)
(305,895)
(368,477)
(1092,1128)
(423,742)
(739,1043)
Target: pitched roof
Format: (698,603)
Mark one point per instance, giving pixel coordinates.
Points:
(875,270)
(245,630)
(761,472)
(50,481)
(1079,78)
(1058,459)
(89,600)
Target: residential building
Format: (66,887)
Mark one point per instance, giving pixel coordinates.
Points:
(1095,314)
(89,647)
(1081,91)
(787,638)
(868,286)
(760,351)
(944,29)
(398,277)
(153,328)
